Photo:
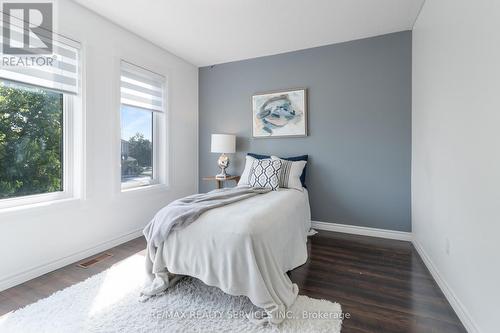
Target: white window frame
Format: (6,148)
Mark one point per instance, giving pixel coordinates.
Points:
(159,142)
(70,107)
(155,140)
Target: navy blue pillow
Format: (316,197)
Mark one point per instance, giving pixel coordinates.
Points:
(293,159)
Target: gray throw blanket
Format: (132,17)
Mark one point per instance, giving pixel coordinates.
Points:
(176,215)
(182,212)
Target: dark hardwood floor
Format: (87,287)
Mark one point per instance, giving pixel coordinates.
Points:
(382,284)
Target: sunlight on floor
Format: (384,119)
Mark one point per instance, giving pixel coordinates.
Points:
(122,279)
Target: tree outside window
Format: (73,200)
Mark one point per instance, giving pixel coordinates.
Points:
(31,140)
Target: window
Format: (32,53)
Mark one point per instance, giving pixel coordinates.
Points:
(142,117)
(136,146)
(31,140)
(37,132)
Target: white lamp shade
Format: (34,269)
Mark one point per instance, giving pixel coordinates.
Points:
(223,143)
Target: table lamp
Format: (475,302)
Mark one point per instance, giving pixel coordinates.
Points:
(224,144)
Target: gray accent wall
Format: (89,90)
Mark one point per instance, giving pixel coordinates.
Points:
(359,124)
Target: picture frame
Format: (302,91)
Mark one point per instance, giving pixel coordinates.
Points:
(280,113)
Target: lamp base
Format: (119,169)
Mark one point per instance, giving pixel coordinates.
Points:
(223,163)
(222,175)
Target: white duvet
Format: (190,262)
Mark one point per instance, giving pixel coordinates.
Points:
(245,248)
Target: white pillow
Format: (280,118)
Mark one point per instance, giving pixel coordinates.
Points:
(290,173)
(265,173)
(246,172)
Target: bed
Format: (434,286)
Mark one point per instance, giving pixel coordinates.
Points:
(244,248)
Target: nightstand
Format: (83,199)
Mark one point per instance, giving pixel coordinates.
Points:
(220,182)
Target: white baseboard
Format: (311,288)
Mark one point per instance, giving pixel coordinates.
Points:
(37,271)
(450,295)
(364,231)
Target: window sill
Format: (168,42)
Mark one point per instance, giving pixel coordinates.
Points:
(145,188)
(27,206)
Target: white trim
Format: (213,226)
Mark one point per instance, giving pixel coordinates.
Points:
(69,148)
(27,201)
(364,231)
(37,271)
(149,188)
(450,295)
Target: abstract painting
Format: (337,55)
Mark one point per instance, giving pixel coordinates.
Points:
(280,113)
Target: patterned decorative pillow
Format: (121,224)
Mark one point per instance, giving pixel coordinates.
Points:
(292,158)
(265,173)
(290,173)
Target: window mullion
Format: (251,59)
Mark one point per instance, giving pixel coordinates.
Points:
(68,144)
(155,151)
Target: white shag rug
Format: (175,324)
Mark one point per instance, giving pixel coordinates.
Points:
(109,302)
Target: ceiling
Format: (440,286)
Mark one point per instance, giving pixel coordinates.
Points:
(207,32)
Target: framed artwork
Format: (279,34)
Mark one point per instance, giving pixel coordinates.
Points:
(280,114)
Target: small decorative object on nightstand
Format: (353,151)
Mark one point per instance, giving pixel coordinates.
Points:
(225,144)
(220,182)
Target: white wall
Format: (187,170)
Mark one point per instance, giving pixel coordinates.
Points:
(36,240)
(456,146)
